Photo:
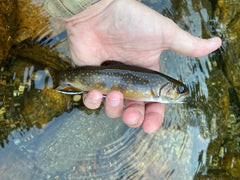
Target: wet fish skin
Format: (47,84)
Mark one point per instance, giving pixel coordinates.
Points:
(136,83)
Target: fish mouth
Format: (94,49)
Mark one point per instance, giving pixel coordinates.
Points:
(183,99)
(186,100)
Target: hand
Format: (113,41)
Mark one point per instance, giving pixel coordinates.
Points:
(130,32)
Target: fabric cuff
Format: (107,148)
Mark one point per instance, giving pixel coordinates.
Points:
(66,8)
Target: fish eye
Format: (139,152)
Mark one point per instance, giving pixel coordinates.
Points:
(181,89)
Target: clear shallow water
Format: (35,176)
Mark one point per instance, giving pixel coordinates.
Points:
(80,144)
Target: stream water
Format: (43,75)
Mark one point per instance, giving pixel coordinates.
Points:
(46,135)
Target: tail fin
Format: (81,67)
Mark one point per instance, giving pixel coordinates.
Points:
(54,74)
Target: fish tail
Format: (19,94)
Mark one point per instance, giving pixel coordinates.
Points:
(55,76)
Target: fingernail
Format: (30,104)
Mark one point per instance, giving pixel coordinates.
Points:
(114,102)
(91,100)
(132,122)
(213,39)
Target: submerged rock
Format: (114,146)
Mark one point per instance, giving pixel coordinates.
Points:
(8,27)
(43,105)
(228,24)
(36,25)
(24,99)
(231,163)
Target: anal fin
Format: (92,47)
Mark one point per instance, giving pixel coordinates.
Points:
(69,90)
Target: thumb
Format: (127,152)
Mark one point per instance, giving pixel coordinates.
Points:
(186,44)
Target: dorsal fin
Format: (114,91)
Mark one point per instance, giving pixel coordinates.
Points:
(112,63)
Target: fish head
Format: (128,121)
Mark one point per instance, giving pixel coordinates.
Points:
(172,92)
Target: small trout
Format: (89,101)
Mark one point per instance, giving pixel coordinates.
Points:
(136,83)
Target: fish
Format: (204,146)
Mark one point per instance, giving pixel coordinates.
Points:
(135,83)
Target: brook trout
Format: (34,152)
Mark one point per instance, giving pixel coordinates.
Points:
(136,83)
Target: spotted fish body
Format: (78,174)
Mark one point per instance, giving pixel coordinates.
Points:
(134,82)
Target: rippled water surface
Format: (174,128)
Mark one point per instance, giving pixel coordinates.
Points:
(48,135)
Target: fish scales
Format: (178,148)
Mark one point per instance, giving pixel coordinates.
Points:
(107,80)
(134,82)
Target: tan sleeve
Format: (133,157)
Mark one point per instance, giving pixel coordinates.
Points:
(66,8)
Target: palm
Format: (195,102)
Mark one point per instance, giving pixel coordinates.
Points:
(128,31)
(126,35)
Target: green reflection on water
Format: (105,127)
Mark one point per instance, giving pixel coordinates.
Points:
(197,140)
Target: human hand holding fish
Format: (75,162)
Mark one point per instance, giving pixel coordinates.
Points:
(132,33)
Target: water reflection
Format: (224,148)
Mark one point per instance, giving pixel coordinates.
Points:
(49,135)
